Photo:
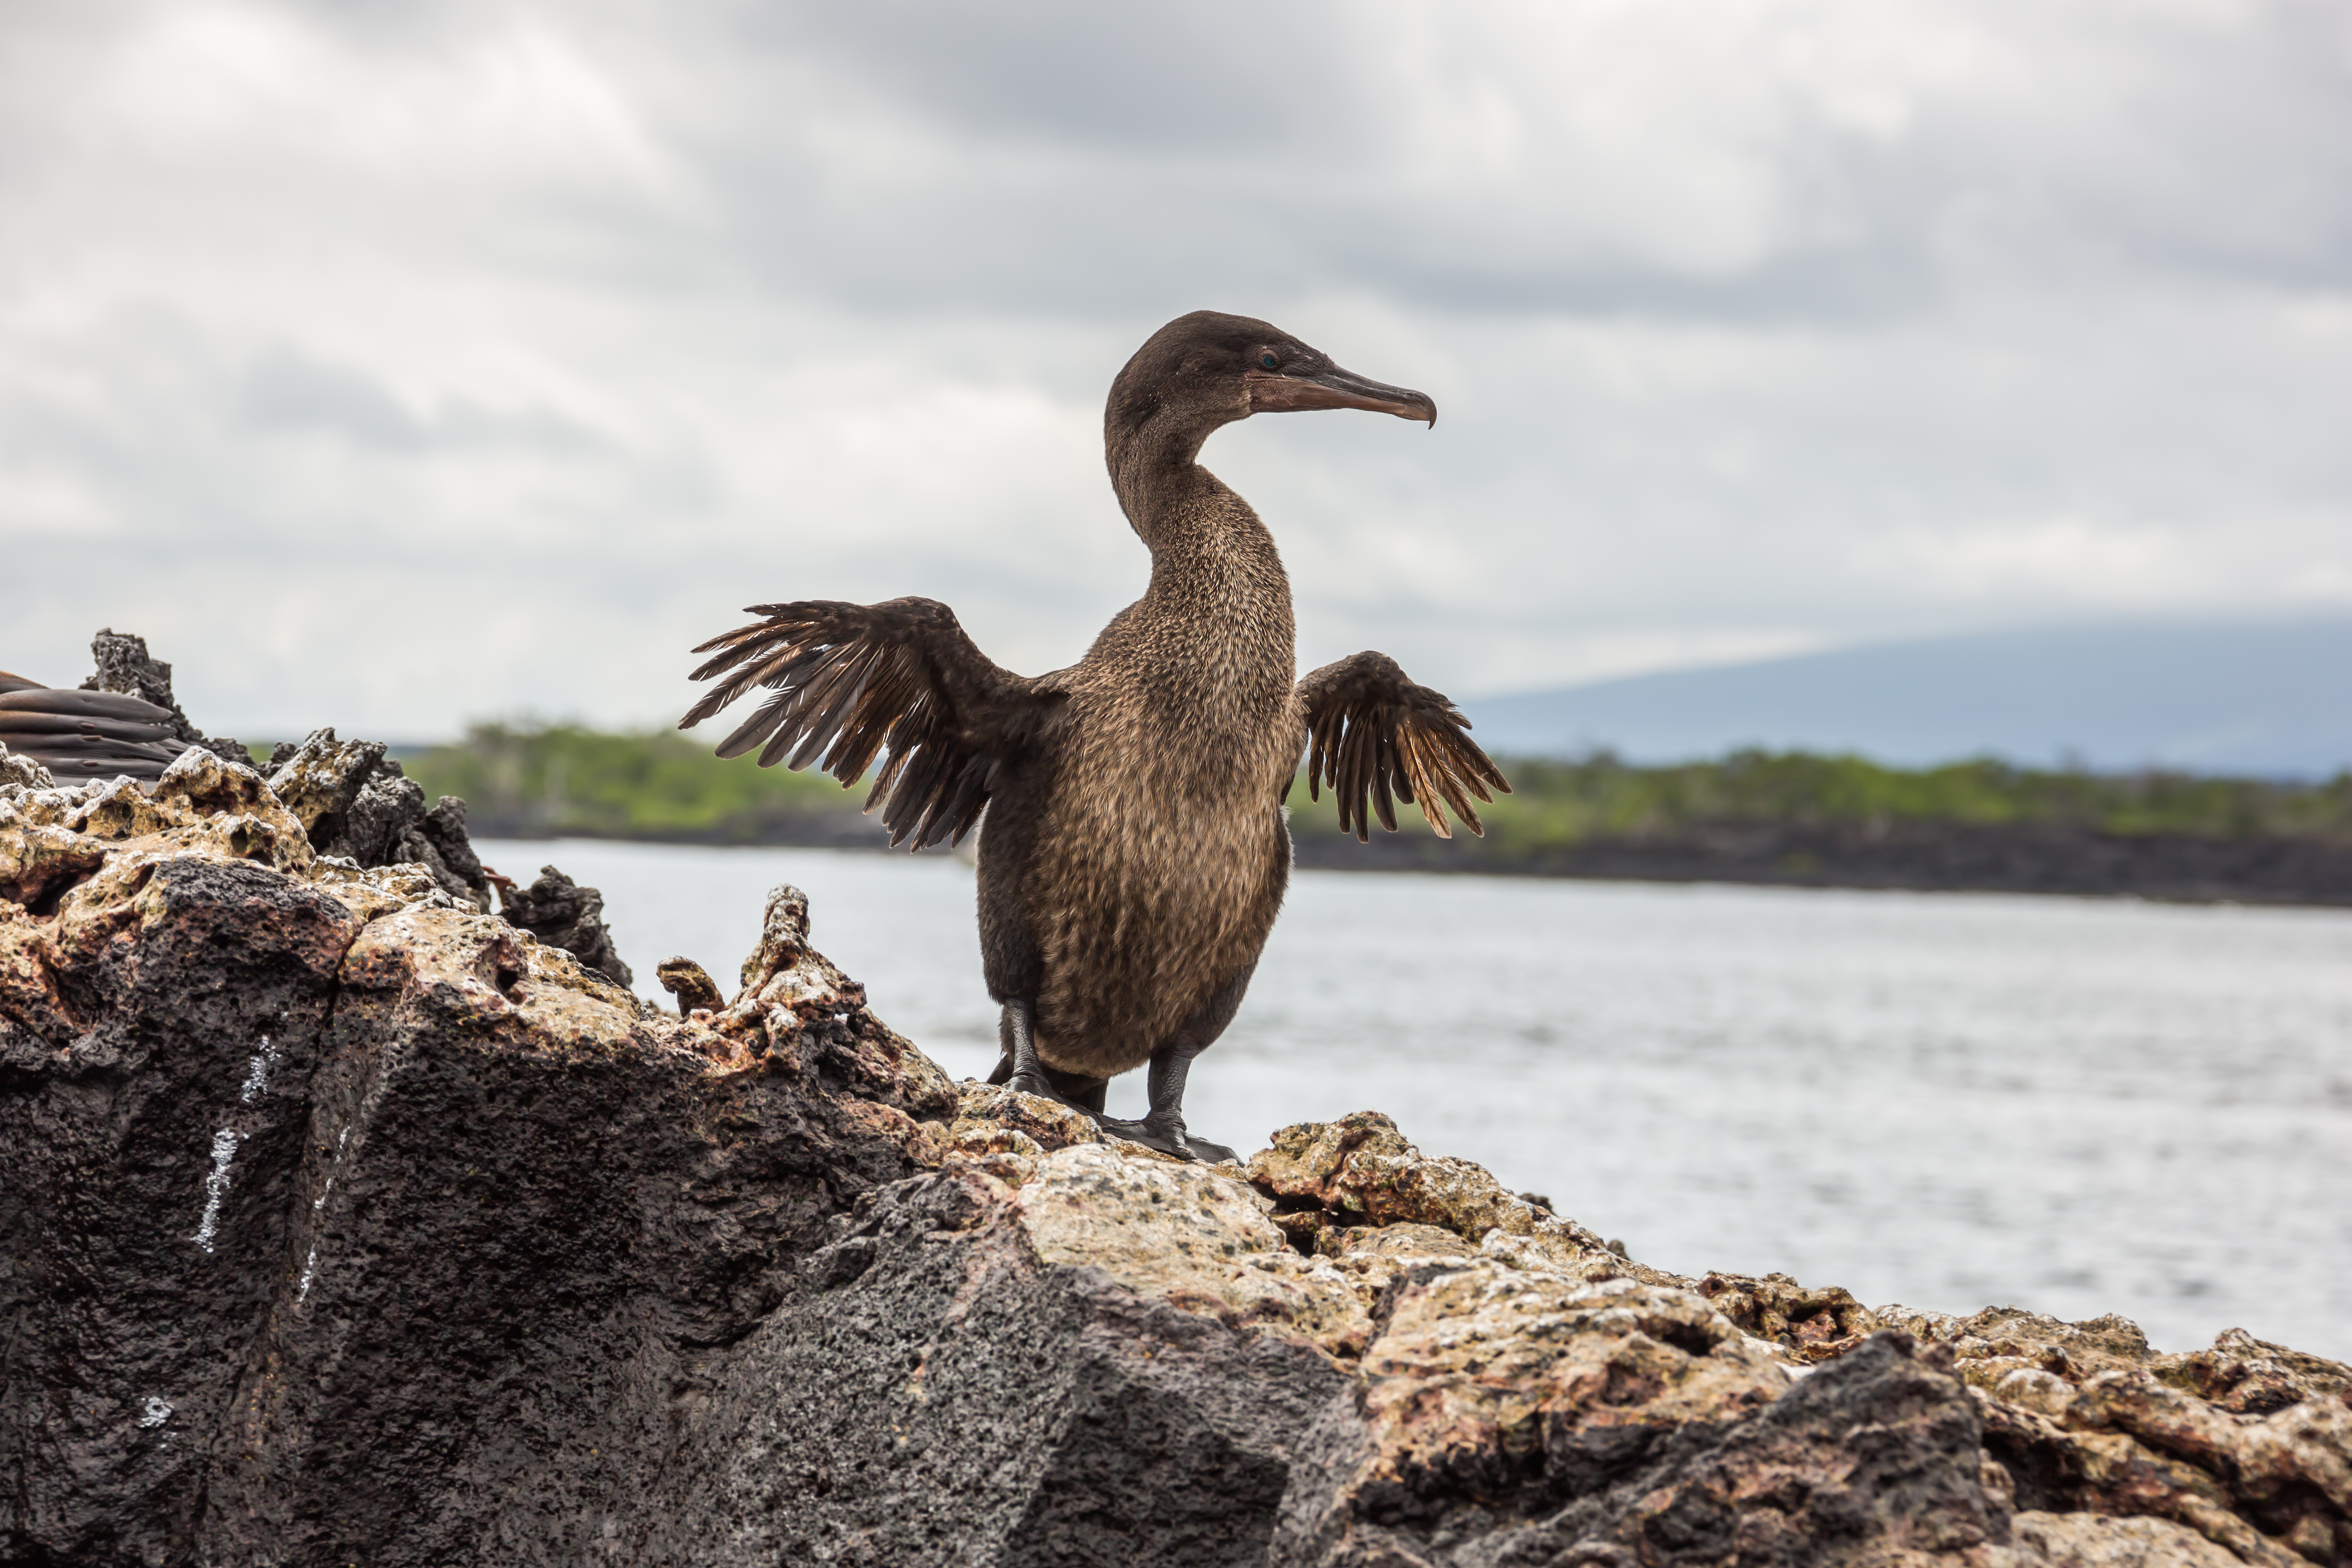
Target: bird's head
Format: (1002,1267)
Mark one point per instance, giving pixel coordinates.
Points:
(1208,369)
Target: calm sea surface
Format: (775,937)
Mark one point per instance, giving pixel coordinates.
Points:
(1948,1101)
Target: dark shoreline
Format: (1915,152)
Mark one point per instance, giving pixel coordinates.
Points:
(1925,858)
(1920,857)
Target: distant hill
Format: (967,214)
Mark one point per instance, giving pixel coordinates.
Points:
(2273,700)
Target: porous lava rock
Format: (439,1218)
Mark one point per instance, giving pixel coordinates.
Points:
(125,666)
(22,770)
(347,1221)
(557,910)
(110,725)
(691,984)
(358,805)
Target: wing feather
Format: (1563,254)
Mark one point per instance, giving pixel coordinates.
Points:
(1376,739)
(851,683)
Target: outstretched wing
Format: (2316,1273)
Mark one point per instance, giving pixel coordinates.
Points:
(85,734)
(1371,732)
(854,680)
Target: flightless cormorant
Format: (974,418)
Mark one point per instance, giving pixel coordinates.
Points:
(1136,852)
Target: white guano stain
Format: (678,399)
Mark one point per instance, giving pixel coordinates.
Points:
(256,1072)
(310,1264)
(224,1143)
(155,1412)
(318,1206)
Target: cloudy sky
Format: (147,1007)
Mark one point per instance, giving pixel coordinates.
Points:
(392,364)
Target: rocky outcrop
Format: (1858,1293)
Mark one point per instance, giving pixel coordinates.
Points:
(348,1222)
(355,803)
(126,667)
(342,1216)
(557,909)
(358,805)
(19,769)
(109,726)
(691,984)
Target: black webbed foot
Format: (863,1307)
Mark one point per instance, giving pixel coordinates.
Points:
(1163,1126)
(1035,1083)
(1210,1153)
(1167,1139)
(1140,1133)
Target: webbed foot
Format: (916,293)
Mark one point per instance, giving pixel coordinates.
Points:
(1035,1083)
(1168,1139)
(1210,1153)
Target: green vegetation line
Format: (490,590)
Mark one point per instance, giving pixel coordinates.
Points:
(560,779)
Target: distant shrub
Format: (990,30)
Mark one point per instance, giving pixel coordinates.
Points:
(1557,802)
(534,781)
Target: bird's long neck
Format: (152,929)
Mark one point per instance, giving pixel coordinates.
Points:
(1218,590)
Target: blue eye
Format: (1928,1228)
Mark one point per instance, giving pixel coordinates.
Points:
(1267,360)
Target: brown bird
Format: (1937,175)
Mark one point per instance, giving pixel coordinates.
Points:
(80,736)
(1136,851)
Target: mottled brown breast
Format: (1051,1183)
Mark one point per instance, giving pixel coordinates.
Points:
(1160,869)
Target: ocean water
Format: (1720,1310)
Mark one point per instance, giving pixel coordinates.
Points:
(1950,1100)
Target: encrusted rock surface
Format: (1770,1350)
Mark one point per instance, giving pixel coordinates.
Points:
(557,910)
(348,1223)
(691,984)
(358,805)
(22,770)
(344,1223)
(125,666)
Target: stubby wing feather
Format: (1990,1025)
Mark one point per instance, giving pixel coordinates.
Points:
(854,681)
(1376,738)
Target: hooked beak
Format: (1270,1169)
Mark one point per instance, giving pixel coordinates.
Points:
(1271,392)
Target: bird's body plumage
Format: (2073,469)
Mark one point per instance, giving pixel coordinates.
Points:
(1135,853)
(1143,898)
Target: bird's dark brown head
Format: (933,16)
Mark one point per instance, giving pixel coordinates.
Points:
(1208,369)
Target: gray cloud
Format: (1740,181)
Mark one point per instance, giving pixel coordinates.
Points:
(287,390)
(1757,328)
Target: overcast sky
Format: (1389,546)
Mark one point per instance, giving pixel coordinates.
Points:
(394,364)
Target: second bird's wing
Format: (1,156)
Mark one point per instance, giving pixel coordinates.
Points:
(854,680)
(82,735)
(1371,732)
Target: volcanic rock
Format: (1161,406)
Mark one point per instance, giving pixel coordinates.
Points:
(690,983)
(26,771)
(125,666)
(349,1223)
(358,805)
(560,910)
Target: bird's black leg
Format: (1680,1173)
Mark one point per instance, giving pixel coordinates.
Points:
(1162,1128)
(1017,1031)
(1086,1093)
